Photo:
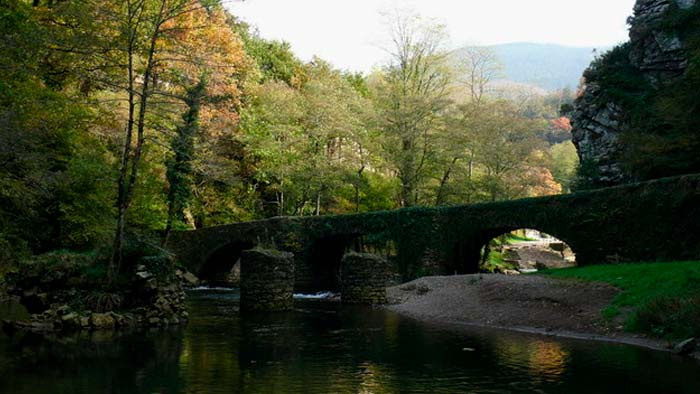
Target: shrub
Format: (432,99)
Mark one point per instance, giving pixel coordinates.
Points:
(669,317)
(103,302)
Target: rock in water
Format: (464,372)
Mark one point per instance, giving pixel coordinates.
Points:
(190,279)
(102,321)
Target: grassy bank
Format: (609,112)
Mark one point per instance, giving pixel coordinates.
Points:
(661,299)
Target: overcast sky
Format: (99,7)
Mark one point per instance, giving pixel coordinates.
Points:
(349,33)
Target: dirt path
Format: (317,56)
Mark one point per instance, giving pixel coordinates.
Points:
(525,303)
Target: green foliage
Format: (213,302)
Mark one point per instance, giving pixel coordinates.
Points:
(618,78)
(102,118)
(49,196)
(495,263)
(86,196)
(587,173)
(275,59)
(179,167)
(60,267)
(664,298)
(514,238)
(565,162)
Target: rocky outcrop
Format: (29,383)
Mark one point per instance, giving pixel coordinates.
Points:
(60,296)
(598,120)
(659,54)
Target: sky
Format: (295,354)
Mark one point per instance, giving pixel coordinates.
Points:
(350,33)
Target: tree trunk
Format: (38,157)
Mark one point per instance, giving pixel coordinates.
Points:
(318,204)
(126,187)
(439,199)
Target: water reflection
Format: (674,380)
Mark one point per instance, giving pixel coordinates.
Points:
(325,348)
(545,359)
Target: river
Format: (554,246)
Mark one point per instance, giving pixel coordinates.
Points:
(323,347)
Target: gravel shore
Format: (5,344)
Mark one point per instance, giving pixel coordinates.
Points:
(527,303)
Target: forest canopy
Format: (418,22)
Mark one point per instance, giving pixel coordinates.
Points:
(149,116)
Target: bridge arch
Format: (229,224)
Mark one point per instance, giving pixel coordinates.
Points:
(466,254)
(320,269)
(525,249)
(219,267)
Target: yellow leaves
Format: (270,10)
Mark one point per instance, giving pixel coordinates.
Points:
(200,44)
(541,182)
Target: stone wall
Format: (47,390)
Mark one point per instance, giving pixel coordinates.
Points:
(59,296)
(363,279)
(598,121)
(267,280)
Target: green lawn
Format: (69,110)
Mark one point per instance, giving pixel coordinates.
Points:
(662,299)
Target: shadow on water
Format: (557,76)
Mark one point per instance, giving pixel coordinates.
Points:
(323,347)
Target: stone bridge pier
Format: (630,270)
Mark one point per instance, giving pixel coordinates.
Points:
(267,280)
(363,279)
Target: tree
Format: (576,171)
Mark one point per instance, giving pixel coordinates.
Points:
(179,168)
(308,140)
(478,66)
(207,70)
(53,171)
(565,162)
(122,47)
(506,149)
(413,91)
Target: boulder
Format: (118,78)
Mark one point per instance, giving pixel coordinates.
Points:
(102,321)
(190,279)
(71,321)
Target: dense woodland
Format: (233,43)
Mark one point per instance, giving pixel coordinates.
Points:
(128,117)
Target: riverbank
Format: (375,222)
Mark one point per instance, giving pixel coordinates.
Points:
(526,303)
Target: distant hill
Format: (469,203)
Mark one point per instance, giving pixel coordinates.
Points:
(547,66)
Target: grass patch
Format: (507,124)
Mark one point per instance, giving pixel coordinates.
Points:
(496,263)
(516,239)
(664,298)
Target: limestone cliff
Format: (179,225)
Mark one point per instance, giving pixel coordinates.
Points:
(656,55)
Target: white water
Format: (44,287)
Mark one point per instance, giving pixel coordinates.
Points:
(207,288)
(316,296)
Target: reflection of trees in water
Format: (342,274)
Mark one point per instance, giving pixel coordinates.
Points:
(122,361)
(546,361)
(321,348)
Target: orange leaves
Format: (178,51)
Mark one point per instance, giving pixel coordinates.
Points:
(541,182)
(200,44)
(562,123)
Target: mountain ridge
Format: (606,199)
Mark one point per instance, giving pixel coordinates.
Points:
(545,65)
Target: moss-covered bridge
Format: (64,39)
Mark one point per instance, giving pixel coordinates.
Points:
(652,221)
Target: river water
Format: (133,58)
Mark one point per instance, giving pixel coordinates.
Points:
(323,347)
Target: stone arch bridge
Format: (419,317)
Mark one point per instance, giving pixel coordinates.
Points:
(651,221)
